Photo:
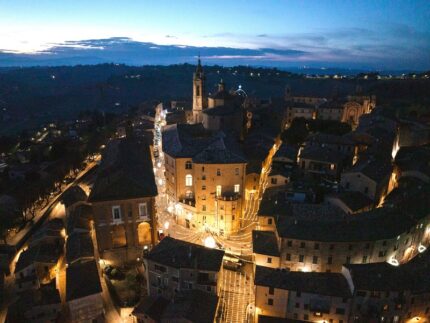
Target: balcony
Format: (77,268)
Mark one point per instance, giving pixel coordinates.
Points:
(188,200)
(228,196)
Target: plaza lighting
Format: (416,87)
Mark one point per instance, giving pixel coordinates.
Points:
(393,262)
(166,225)
(210,242)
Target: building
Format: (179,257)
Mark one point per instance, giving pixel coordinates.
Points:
(315,297)
(175,265)
(320,162)
(192,306)
(205,178)
(123,201)
(84,292)
(372,177)
(199,93)
(79,247)
(39,306)
(315,238)
(386,293)
(36,265)
(265,248)
(413,162)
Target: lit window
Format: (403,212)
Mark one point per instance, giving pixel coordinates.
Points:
(189,180)
(116,212)
(218,190)
(236,188)
(332,166)
(143,210)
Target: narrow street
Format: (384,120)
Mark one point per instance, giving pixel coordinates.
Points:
(237,296)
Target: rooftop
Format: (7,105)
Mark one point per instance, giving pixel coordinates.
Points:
(327,284)
(73,195)
(181,254)
(79,245)
(374,168)
(321,154)
(42,252)
(79,219)
(126,172)
(382,276)
(354,200)
(265,243)
(377,224)
(82,279)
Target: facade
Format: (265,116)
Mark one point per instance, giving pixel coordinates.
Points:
(175,265)
(205,179)
(123,201)
(320,162)
(347,110)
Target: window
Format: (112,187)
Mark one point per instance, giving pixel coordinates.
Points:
(203,168)
(204,208)
(203,187)
(188,165)
(274,180)
(289,243)
(382,253)
(269,221)
(203,177)
(236,188)
(316,246)
(271,290)
(314,260)
(270,301)
(143,210)
(302,245)
(288,257)
(301,258)
(350,247)
(188,180)
(348,260)
(331,246)
(197,90)
(218,172)
(269,260)
(116,213)
(218,190)
(236,171)
(330,260)
(364,259)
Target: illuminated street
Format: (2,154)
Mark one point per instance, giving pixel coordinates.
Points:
(237,296)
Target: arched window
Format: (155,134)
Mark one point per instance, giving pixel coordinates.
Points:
(188,180)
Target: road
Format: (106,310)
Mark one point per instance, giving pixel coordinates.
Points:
(52,210)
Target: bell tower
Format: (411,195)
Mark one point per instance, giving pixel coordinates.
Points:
(199,90)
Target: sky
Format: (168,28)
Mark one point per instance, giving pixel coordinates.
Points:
(374,34)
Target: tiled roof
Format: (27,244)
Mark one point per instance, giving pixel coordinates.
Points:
(181,254)
(126,172)
(265,243)
(353,200)
(327,284)
(82,279)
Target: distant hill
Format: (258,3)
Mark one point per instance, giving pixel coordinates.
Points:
(30,96)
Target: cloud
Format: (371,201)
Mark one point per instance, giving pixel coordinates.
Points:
(393,46)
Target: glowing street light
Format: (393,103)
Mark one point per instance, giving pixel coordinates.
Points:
(210,242)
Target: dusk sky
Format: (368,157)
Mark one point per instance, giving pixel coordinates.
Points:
(374,34)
